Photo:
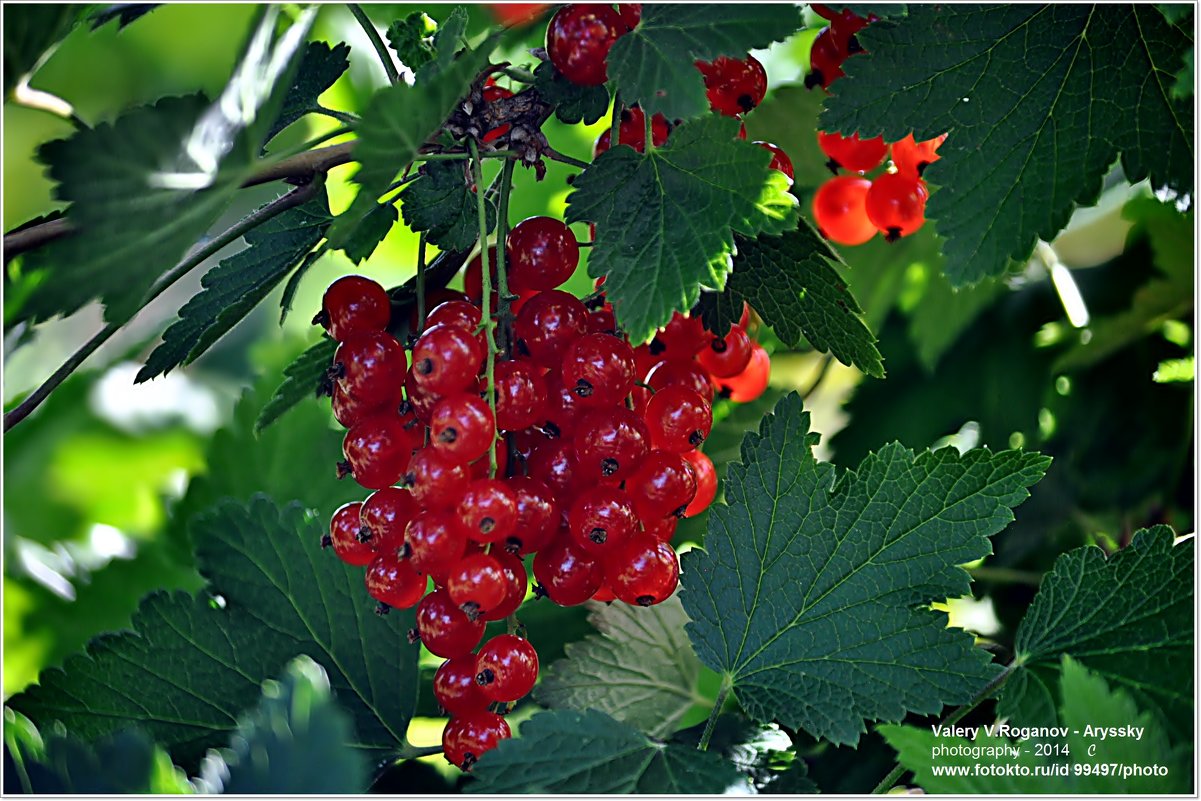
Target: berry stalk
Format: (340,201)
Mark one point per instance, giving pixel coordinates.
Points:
(477,175)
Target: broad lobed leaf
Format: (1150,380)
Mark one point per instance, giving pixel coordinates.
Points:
(320,66)
(441,204)
(300,381)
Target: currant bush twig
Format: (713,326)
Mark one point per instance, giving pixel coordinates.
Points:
(292,199)
(381,49)
(555,155)
(408,751)
(959,714)
(477,175)
(341,116)
(492,154)
(714,714)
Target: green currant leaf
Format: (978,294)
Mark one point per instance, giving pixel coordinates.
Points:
(653,65)
(788,119)
(812,595)
(639,669)
(442,204)
(297,741)
(29,31)
(320,66)
(300,381)
(191,664)
(124,13)
(573,103)
(412,39)
(1039,102)
(1129,617)
(237,284)
(370,232)
(591,753)
(793,282)
(665,220)
(1087,701)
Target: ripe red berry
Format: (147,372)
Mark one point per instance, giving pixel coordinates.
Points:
(663,485)
(508,668)
(473,277)
(643,571)
(751,382)
(490,95)
(547,324)
(599,369)
(385,514)
(458,314)
(603,321)
(682,337)
(461,427)
(420,400)
(728,355)
(521,395)
(840,210)
(563,407)
(537,514)
(370,366)
(393,582)
(779,159)
(678,419)
(435,480)
(610,443)
(446,359)
(476,583)
(553,463)
(349,410)
(852,153)
(455,689)
(515,585)
(487,511)
(706,482)
(354,305)
(825,60)
(630,13)
(542,252)
(468,737)
(378,450)
(662,529)
(896,204)
(733,87)
(444,629)
(632,131)
(911,157)
(601,519)
(433,542)
(344,529)
(685,373)
(567,574)
(578,39)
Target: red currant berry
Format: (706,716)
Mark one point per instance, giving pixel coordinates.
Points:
(825,60)
(682,337)
(728,355)
(604,595)
(344,529)
(446,359)
(681,373)
(354,305)
(599,369)
(840,210)
(420,400)
(852,153)
(844,27)
(491,94)
(515,585)
(349,410)
(578,39)
(663,485)
(473,277)
(537,515)
(632,131)
(370,366)
(643,572)
(896,204)
(779,159)
(601,519)
(458,314)
(433,299)
(386,513)
(461,427)
(466,738)
(444,629)
(547,324)
(521,395)
(751,382)
(510,14)
(609,443)
(706,482)
(630,13)
(912,158)
(603,321)
(488,510)
(378,449)
(435,480)
(567,575)
(733,87)
(393,582)
(543,253)
(455,689)
(563,407)
(433,542)
(662,529)
(678,419)
(508,668)
(553,463)
(476,583)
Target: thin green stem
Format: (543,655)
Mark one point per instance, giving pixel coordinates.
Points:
(519,74)
(420,282)
(827,360)
(492,154)
(292,199)
(615,121)
(408,751)
(715,713)
(1006,575)
(647,120)
(477,174)
(959,714)
(381,49)
(341,116)
(554,155)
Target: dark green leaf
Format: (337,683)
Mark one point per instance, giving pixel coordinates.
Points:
(30,30)
(665,221)
(788,119)
(639,669)
(192,664)
(792,282)
(288,296)
(812,596)
(370,232)
(573,103)
(320,66)
(1182,89)
(591,753)
(1175,13)
(235,286)
(297,741)
(412,39)
(124,13)
(448,40)
(1014,84)
(442,204)
(653,64)
(301,378)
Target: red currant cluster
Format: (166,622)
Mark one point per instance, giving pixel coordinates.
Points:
(597,461)
(850,209)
